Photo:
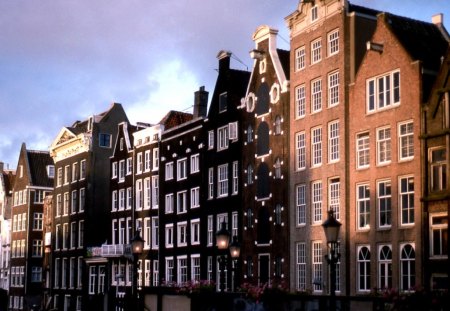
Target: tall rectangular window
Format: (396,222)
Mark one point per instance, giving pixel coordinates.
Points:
(334,195)
(385,266)
(235,181)
(195,268)
(438,169)
(82,199)
(155,232)
(383,91)
(182,234)
(384,204)
(129,168)
(195,197)
(155,159)
(147,160)
(169,270)
(155,192)
(169,171)
(317,266)
(83,169)
(139,195)
(139,163)
(406,199)
(363,269)
(181,202)
(195,231)
(363,206)
(169,235)
(169,203)
(37,221)
(195,163)
(300,151)
(75,171)
(362,150)
(316,51)
(316,201)
(316,95)
(210,234)
(406,140)
(316,146)
(147,193)
(333,141)
(222,138)
(300,101)
(222,180)
(439,235)
(333,42)
(181,169)
(182,270)
(301,204)
(384,145)
(333,89)
(210,183)
(300,58)
(210,139)
(301,267)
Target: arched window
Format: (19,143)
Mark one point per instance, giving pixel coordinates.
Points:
(263,226)
(249,134)
(249,174)
(278,125)
(364,269)
(262,146)
(262,105)
(407,267)
(385,267)
(278,214)
(262,189)
(278,168)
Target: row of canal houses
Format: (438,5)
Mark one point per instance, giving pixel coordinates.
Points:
(353,119)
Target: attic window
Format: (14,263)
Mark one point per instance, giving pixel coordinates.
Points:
(223,102)
(104,140)
(121,143)
(262,66)
(314,13)
(51,171)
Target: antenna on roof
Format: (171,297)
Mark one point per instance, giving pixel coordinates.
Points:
(236,58)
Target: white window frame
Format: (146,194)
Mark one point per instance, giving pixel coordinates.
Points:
(182,169)
(211,139)
(406,200)
(195,197)
(333,42)
(169,243)
(182,234)
(316,200)
(363,269)
(300,199)
(195,163)
(222,180)
(169,171)
(300,56)
(406,140)
(300,150)
(235,180)
(316,51)
(408,271)
(195,231)
(383,87)
(387,198)
(333,141)
(384,267)
(222,138)
(362,150)
(169,203)
(316,146)
(316,95)
(363,206)
(300,101)
(182,202)
(384,145)
(301,266)
(211,183)
(155,159)
(317,266)
(333,89)
(334,194)
(438,228)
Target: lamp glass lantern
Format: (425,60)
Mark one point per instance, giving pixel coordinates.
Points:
(222,237)
(235,248)
(137,244)
(331,227)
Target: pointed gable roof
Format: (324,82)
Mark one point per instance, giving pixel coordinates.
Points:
(174,118)
(423,41)
(37,165)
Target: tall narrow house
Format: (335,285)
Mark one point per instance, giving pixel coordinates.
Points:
(6,184)
(386,221)
(81,153)
(328,41)
(265,108)
(34,180)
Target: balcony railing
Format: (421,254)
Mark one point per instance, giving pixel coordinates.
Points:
(115,250)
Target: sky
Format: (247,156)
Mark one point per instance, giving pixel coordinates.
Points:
(64,60)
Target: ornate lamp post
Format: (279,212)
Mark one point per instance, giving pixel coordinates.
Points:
(137,246)
(222,241)
(331,227)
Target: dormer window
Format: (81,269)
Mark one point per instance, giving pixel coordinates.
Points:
(314,13)
(51,171)
(104,140)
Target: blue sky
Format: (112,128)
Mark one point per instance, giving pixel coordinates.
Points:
(61,61)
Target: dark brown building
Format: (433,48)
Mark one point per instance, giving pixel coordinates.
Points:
(34,180)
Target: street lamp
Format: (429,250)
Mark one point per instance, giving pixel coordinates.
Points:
(137,246)
(222,241)
(331,227)
(235,251)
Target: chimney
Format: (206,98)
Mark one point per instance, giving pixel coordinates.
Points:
(438,20)
(224,60)
(200,102)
